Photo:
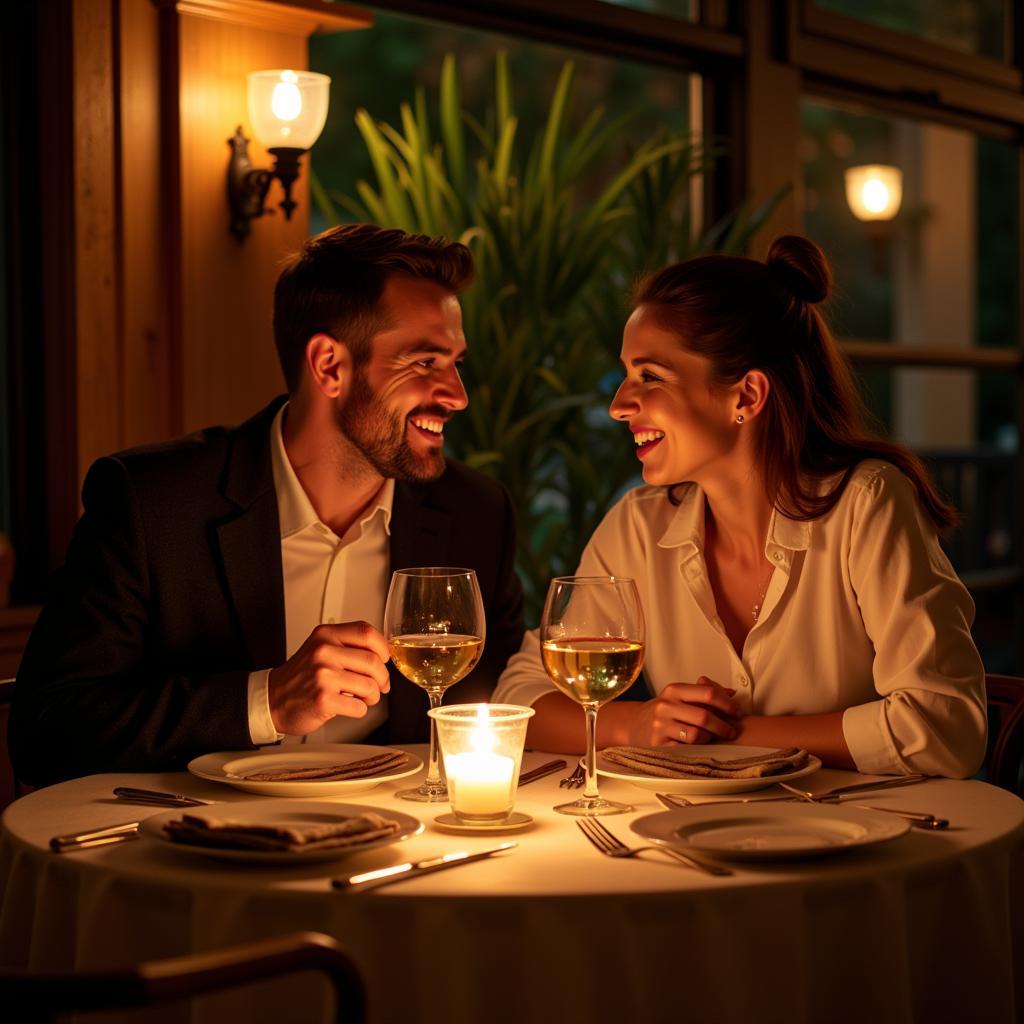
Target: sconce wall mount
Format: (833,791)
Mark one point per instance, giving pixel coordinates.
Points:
(287,110)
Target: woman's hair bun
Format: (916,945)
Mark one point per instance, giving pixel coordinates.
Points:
(801,266)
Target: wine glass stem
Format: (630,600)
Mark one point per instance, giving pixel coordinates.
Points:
(590,790)
(434,767)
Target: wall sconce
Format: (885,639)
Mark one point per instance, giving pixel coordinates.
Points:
(874,191)
(287,111)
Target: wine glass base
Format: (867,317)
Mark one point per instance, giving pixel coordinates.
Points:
(424,794)
(591,807)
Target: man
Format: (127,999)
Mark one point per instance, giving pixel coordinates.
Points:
(227,589)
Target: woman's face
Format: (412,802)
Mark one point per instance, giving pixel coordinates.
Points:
(682,428)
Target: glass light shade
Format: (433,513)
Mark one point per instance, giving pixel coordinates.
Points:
(287,108)
(874,191)
(482,747)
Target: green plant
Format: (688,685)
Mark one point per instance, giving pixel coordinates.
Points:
(555,255)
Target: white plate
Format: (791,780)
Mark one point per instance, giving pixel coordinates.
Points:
(214,767)
(707,787)
(769,831)
(282,812)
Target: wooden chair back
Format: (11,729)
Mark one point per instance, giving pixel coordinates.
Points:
(1004,762)
(44,995)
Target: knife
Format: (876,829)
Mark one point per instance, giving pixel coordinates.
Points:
(836,794)
(542,772)
(94,837)
(155,796)
(400,872)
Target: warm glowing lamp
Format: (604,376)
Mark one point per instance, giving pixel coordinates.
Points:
(287,111)
(874,191)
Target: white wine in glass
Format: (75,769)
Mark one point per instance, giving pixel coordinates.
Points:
(592,648)
(435,628)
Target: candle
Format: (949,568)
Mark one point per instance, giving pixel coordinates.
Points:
(479,780)
(480,784)
(482,746)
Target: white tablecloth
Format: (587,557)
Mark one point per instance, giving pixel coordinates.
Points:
(927,927)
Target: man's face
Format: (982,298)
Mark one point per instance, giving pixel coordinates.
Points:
(409,387)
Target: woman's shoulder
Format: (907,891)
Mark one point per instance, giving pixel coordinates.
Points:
(644,509)
(877,478)
(878,486)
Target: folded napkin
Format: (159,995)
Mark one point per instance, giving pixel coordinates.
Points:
(361,769)
(676,763)
(203,830)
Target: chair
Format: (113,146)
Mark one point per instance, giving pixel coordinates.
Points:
(8,784)
(44,995)
(1004,763)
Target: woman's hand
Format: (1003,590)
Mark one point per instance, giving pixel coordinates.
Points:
(700,712)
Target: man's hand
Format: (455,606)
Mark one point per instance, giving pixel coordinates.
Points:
(339,670)
(700,712)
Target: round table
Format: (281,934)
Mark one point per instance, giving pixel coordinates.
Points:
(928,926)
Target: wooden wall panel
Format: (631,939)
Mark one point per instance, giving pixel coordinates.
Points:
(150,394)
(95,233)
(228,364)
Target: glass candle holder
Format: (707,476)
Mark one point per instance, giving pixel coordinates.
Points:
(482,747)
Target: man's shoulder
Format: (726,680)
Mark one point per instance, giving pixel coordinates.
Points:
(188,461)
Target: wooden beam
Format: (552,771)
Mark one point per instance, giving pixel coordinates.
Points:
(883,353)
(289,17)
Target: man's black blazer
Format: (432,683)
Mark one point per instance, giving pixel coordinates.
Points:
(172,592)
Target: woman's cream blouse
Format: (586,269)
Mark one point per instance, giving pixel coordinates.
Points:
(864,614)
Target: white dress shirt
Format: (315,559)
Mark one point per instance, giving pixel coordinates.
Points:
(864,614)
(326,579)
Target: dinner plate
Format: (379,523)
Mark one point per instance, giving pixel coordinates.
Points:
(769,831)
(230,766)
(708,787)
(282,812)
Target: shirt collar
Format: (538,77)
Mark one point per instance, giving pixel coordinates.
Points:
(294,509)
(687,526)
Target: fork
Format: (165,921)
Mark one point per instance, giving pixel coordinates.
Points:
(576,779)
(600,837)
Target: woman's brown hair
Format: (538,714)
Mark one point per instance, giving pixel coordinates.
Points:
(742,315)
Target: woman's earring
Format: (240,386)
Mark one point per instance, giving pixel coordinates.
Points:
(739,419)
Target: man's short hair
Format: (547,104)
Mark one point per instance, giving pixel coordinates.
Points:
(334,285)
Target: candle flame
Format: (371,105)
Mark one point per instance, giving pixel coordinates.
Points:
(481,737)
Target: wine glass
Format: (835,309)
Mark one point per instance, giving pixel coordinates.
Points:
(434,625)
(592,647)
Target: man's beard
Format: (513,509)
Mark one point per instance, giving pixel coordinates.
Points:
(380,436)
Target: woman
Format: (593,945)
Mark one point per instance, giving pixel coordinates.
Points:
(788,562)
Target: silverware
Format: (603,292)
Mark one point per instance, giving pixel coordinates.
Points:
(673,800)
(539,773)
(576,779)
(600,837)
(157,798)
(400,872)
(94,837)
(856,787)
(922,820)
(88,844)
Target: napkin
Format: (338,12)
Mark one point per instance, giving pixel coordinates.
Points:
(361,769)
(204,830)
(676,763)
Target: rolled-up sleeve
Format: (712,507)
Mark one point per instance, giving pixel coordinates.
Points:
(930,717)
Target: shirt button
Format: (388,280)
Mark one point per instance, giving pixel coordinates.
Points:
(744,681)
(777,556)
(331,620)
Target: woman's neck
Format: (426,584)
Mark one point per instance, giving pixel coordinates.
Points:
(737,515)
